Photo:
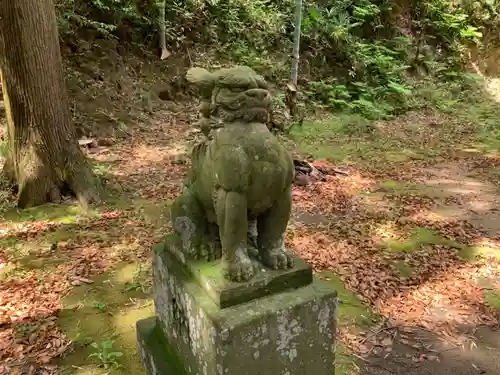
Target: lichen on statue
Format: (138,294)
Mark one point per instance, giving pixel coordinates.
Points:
(240,168)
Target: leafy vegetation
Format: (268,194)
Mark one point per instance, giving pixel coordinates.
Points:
(105,355)
(357,55)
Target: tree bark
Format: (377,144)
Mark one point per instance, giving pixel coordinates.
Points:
(44,158)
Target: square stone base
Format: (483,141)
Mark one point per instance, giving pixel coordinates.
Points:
(154,350)
(225,293)
(287,333)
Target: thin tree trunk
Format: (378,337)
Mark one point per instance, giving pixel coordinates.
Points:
(296,41)
(8,168)
(45,156)
(291,89)
(161,21)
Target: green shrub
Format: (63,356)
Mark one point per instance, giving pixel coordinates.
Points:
(356,55)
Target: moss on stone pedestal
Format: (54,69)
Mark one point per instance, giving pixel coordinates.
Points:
(225,293)
(291,332)
(155,350)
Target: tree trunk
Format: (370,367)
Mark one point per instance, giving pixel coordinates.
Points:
(45,158)
(9,164)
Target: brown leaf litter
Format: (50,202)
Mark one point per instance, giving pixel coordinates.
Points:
(149,165)
(440,294)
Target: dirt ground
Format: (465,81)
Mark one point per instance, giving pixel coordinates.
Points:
(408,235)
(416,236)
(420,351)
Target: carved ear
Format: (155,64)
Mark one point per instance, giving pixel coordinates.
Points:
(261,82)
(203,79)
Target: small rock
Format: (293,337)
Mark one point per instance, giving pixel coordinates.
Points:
(105,142)
(84,280)
(432,358)
(85,142)
(387,341)
(302,180)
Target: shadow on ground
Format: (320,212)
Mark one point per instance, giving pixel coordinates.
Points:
(417,351)
(384,348)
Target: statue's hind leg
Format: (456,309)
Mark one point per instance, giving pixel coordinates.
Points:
(271,228)
(189,221)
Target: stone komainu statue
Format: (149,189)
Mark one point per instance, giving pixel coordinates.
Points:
(238,194)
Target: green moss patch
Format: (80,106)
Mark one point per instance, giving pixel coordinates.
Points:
(328,139)
(352,313)
(155,212)
(404,269)
(37,254)
(352,137)
(492,298)
(419,238)
(105,310)
(57,213)
(403,188)
(398,186)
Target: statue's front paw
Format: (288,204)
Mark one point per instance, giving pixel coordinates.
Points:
(201,252)
(277,259)
(241,267)
(214,251)
(208,251)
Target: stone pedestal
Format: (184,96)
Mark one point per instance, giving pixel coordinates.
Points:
(281,323)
